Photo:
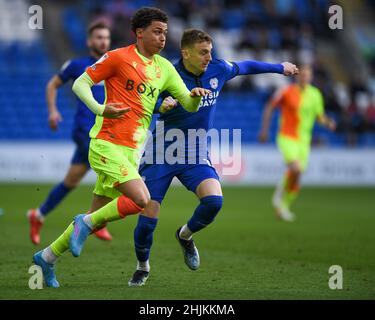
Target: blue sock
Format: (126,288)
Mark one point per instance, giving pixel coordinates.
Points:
(143,236)
(205,213)
(54,198)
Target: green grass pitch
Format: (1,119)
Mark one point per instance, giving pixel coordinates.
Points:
(245,254)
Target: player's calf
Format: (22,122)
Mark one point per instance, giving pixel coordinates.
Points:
(143,238)
(204,215)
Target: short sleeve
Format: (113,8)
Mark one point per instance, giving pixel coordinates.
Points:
(230,69)
(104,68)
(67,71)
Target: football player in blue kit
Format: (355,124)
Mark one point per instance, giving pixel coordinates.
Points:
(197,69)
(98,42)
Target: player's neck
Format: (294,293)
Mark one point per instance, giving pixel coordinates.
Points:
(95,54)
(303,86)
(142,50)
(189,68)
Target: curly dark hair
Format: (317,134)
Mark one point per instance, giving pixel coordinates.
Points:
(144,17)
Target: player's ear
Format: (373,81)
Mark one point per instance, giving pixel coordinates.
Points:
(139,33)
(185,53)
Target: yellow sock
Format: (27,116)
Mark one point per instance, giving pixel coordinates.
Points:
(105,214)
(61,244)
(99,218)
(288,198)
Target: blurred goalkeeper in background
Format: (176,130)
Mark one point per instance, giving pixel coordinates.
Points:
(98,42)
(301,104)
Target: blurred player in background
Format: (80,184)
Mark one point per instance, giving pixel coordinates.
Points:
(98,42)
(134,76)
(301,104)
(196,172)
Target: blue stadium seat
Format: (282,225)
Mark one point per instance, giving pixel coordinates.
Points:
(75,28)
(25,69)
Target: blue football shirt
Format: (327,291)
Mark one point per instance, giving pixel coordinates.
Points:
(84,119)
(217,74)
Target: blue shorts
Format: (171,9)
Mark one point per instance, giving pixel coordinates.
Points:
(81,153)
(158,177)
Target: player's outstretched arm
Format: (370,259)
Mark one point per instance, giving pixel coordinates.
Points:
(82,88)
(54,116)
(257,67)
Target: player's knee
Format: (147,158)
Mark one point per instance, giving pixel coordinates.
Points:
(71,183)
(297,173)
(213,205)
(295,169)
(75,175)
(73,180)
(152,209)
(141,200)
(127,206)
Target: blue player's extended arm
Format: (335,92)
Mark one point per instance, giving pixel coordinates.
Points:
(256,67)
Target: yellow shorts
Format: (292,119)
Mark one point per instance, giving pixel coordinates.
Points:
(114,164)
(294,150)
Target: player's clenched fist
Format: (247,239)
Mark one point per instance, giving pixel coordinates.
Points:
(168,104)
(290,69)
(199,92)
(112,111)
